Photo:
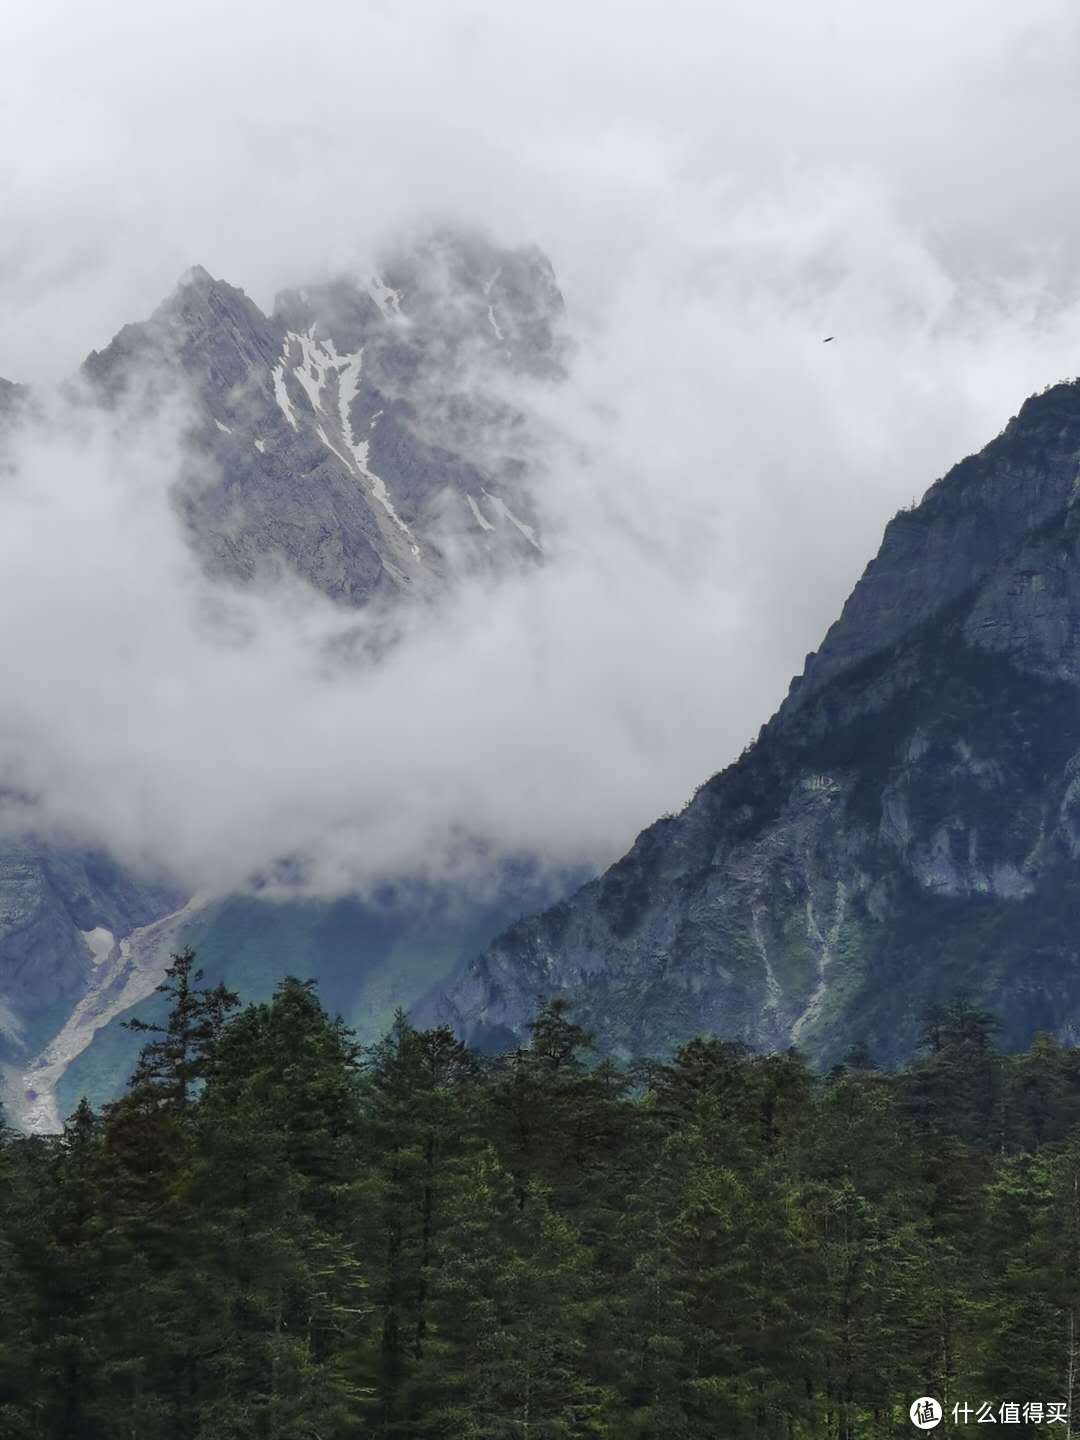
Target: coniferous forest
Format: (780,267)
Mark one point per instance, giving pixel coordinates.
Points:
(277,1233)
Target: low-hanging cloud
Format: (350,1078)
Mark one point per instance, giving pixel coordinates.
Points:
(718,193)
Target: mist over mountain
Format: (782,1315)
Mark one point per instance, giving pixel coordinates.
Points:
(454,980)
(903,829)
(301,413)
(350,453)
(304,536)
(483,481)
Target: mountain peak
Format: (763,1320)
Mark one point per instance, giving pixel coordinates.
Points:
(195,275)
(907,826)
(346,439)
(967,522)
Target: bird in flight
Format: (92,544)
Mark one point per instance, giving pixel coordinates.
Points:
(827,339)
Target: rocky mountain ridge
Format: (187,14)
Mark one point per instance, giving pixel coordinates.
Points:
(356,433)
(906,825)
(359,438)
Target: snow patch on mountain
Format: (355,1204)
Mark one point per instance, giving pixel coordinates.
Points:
(504,510)
(281,394)
(348,384)
(387,299)
(332,447)
(318,362)
(123,976)
(349,371)
(381,493)
(331,382)
(481,519)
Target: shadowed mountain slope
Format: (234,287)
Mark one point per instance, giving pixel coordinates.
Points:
(907,825)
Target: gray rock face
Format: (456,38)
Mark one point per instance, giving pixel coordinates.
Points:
(353,438)
(906,825)
(51,903)
(355,432)
(967,525)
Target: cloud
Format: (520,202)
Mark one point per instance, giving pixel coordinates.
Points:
(265,142)
(718,190)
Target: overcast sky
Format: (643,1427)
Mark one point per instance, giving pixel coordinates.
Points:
(719,186)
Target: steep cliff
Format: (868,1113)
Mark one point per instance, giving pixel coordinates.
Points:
(907,825)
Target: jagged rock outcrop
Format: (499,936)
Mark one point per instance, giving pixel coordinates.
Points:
(354,437)
(907,825)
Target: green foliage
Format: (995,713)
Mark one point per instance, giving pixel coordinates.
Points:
(278,1234)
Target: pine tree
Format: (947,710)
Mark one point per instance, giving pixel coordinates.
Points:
(955,1089)
(275,1235)
(418,1118)
(514,1303)
(175,1065)
(1043,1087)
(71,1277)
(150,1315)
(22,1185)
(868,1201)
(276,1186)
